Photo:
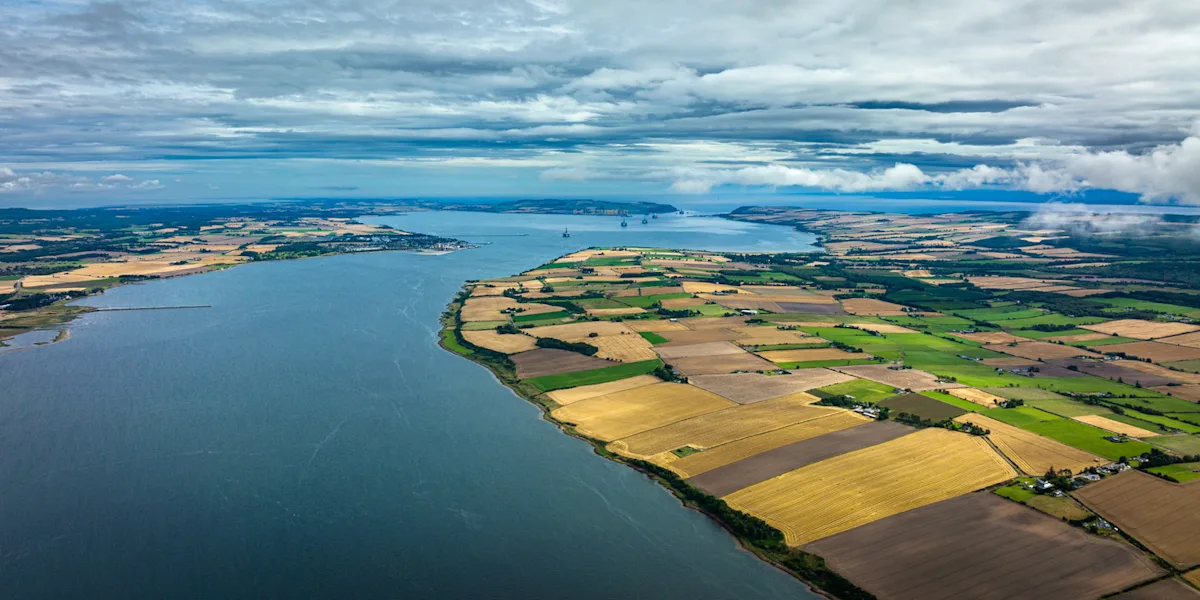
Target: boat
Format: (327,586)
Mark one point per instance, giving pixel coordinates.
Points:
(624,223)
(566,233)
(654,216)
(644,221)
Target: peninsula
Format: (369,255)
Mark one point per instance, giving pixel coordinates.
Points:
(950,405)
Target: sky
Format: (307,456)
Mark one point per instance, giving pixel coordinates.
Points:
(200,100)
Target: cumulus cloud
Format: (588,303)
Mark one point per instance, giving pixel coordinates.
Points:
(1048,97)
(1079,218)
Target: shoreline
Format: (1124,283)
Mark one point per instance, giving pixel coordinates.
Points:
(682,491)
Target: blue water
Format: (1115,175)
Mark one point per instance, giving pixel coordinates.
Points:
(306,438)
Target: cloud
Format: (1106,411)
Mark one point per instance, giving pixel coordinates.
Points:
(898,177)
(1079,218)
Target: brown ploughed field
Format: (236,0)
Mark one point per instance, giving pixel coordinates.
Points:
(1042,350)
(1160,514)
(983,547)
(1155,351)
(1167,589)
(773,463)
(550,361)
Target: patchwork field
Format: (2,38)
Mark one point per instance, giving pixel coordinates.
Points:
(720,427)
(982,546)
(909,379)
(811,354)
(625,413)
(979,397)
(506,343)
(1155,351)
(853,489)
(740,474)
(1157,513)
(745,388)
(572,395)
(1114,426)
(721,363)
(1141,330)
(1031,452)
(550,361)
(732,452)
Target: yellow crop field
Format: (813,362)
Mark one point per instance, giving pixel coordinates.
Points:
(695,464)
(700,287)
(722,426)
(622,414)
(490,308)
(657,325)
(580,332)
(608,312)
(623,348)
(500,342)
(575,394)
(883,328)
(871,306)
(866,485)
(768,336)
(1142,330)
(1031,452)
(1115,426)
(979,397)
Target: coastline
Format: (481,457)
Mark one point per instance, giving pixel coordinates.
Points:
(808,569)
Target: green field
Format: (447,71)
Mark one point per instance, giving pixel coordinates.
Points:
(653,338)
(1191,366)
(520,318)
(451,343)
(1066,407)
(648,301)
(548,383)
(1183,444)
(600,303)
(1112,339)
(481,325)
(791,346)
(1087,438)
(1181,472)
(610,261)
(1170,309)
(1020,416)
(1005,313)
(1160,420)
(953,401)
(1016,491)
(861,389)
(1052,319)
(1023,393)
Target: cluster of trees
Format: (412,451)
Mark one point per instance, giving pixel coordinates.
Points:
(39,300)
(580,347)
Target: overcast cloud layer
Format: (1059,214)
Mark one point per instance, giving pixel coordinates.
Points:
(204,99)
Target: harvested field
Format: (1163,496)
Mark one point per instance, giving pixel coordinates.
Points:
(1153,369)
(979,397)
(921,406)
(981,546)
(1191,340)
(550,361)
(689,337)
(743,303)
(1155,351)
(1031,452)
(721,427)
(747,388)
(489,308)
(681,302)
(1041,350)
(1193,576)
(769,336)
(608,312)
(810,354)
(580,332)
(1159,514)
(909,379)
(721,363)
(1083,337)
(1167,589)
(768,463)
(700,287)
(857,488)
(1116,370)
(622,414)
(501,342)
(573,395)
(623,348)
(811,308)
(1191,393)
(1141,330)
(656,325)
(732,452)
(1023,393)
(1114,426)
(707,323)
(991,337)
(668,351)
(871,306)
(883,328)
(1008,362)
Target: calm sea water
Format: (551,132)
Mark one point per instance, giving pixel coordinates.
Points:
(306,438)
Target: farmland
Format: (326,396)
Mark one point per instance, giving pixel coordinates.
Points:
(1155,512)
(853,489)
(757,382)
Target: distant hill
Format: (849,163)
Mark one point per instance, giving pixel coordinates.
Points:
(561,206)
